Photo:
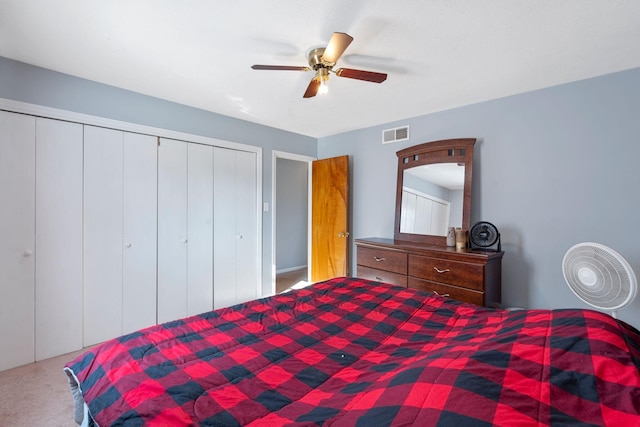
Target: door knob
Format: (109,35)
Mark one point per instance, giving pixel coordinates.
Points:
(28,252)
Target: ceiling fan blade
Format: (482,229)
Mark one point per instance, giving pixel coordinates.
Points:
(312,89)
(280,67)
(368,76)
(337,45)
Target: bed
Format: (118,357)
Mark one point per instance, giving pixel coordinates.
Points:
(353,352)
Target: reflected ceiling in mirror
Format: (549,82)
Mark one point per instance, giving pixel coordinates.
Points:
(432,198)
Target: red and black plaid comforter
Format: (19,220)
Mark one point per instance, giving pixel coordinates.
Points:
(350,352)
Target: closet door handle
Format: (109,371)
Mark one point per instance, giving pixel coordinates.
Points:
(441,271)
(28,252)
(378,259)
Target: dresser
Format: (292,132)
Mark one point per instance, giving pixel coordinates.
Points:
(469,276)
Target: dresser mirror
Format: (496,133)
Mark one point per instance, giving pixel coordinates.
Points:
(434,190)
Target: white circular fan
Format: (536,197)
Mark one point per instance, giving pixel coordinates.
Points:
(599,276)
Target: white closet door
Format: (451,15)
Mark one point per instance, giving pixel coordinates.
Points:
(439,218)
(224,226)
(17,228)
(247,253)
(408,217)
(200,229)
(235,225)
(423,216)
(103,171)
(172,230)
(58,269)
(140,207)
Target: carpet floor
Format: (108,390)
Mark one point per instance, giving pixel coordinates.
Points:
(37,394)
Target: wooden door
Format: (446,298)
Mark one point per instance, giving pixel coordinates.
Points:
(329,218)
(17,218)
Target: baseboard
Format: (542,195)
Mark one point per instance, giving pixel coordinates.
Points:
(286,270)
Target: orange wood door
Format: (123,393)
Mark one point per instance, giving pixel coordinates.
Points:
(329,218)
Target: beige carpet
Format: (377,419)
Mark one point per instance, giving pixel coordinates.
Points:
(37,395)
(291,280)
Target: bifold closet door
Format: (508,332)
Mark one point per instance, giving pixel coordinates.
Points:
(58,224)
(172,230)
(200,229)
(235,227)
(103,176)
(140,231)
(120,186)
(17,241)
(185,229)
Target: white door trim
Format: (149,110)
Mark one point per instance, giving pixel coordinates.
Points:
(299,158)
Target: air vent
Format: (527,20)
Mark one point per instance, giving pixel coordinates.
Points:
(395,135)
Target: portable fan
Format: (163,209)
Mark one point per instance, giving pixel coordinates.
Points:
(483,235)
(599,276)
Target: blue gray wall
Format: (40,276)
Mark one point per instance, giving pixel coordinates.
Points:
(34,85)
(552,168)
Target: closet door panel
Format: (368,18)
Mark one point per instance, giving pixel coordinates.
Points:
(58,266)
(17,228)
(200,227)
(103,171)
(224,226)
(140,207)
(172,230)
(235,227)
(247,254)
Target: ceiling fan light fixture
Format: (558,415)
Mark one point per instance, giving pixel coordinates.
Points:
(323,78)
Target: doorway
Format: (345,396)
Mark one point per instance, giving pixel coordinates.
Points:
(290,221)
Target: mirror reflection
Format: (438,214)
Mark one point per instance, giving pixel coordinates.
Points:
(432,198)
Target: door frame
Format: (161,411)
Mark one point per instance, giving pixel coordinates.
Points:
(298,158)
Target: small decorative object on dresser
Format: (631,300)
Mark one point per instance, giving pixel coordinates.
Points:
(420,255)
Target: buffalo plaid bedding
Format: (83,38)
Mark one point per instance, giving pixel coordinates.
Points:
(351,352)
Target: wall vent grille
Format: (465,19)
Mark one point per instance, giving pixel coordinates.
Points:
(395,135)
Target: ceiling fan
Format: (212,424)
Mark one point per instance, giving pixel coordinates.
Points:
(322,60)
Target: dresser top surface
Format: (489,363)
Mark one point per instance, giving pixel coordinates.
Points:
(405,246)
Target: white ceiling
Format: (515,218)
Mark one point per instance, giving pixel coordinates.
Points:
(439,54)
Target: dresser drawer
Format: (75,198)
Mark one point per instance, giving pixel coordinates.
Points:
(381,259)
(461,274)
(461,294)
(382,276)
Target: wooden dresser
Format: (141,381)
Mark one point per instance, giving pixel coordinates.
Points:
(471,276)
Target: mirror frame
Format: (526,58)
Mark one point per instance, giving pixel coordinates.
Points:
(443,151)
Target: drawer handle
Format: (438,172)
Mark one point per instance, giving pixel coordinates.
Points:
(378,259)
(442,295)
(441,271)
